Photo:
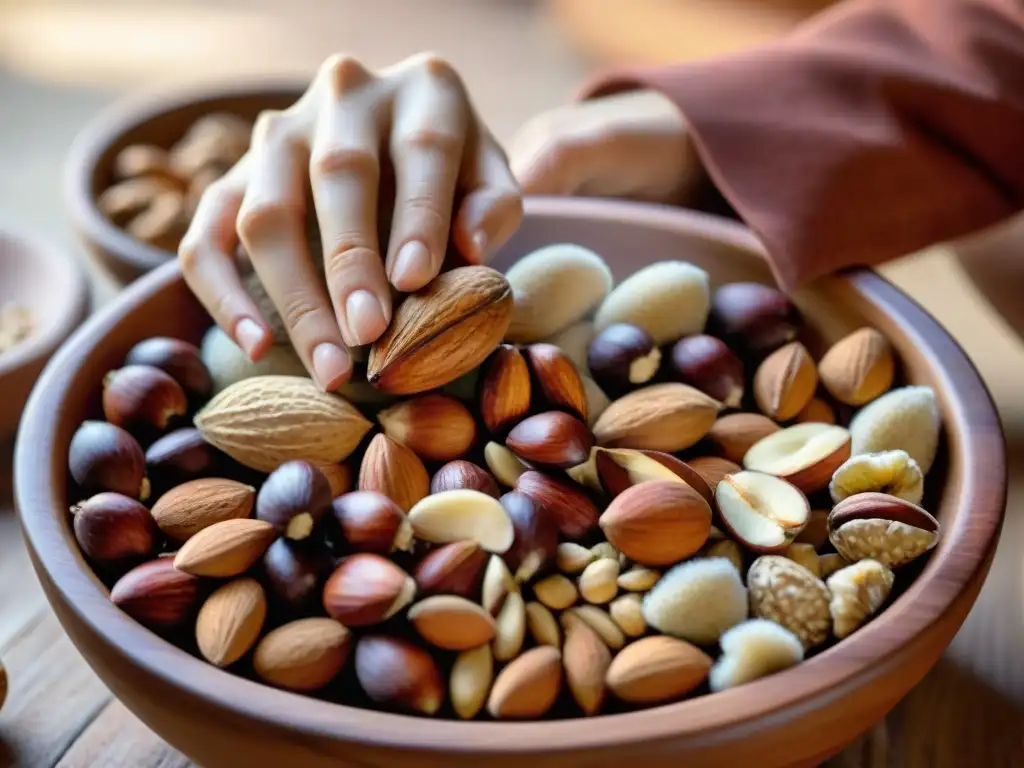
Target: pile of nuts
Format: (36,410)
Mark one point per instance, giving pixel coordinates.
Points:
(546,496)
(156,190)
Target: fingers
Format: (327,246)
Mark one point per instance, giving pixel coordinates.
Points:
(271,225)
(207,263)
(492,208)
(428,135)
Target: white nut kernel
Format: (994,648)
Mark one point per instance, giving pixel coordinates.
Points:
(598,582)
(891,472)
(628,614)
(754,649)
(697,600)
(858,591)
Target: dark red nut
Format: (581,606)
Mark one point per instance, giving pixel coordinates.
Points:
(294,574)
(709,365)
(455,569)
(623,357)
(367,589)
(397,674)
(158,595)
(104,457)
(371,522)
(112,528)
(536,540)
(180,456)
(464,474)
(294,499)
(142,398)
(551,439)
(177,358)
(573,511)
(753,317)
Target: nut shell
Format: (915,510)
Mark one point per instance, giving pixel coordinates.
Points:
(574,512)
(190,507)
(294,499)
(392,469)
(230,621)
(623,357)
(558,381)
(371,522)
(858,368)
(504,389)
(881,527)
(552,439)
(463,474)
(736,433)
(366,589)
(112,528)
(436,427)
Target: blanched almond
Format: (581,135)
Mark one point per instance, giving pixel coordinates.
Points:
(511,628)
(627,613)
(597,583)
(470,682)
(543,625)
(556,592)
(463,514)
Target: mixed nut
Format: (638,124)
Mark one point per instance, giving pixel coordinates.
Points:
(544,495)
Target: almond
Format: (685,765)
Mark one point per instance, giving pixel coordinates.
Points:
(510,628)
(157,595)
(392,469)
(442,518)
(528,686)
(455,569)
(436,427)
(662,417)
(657,523)
(504,465)
(230,621)
(190,507)
(586,659)
(470,681)
(734,434)
(536,537)
(505,389)
(815,532)
(713,469)
(225,549)
(785,381)
(598,620)
(620,468)
(396,673)
(441,331)
(859,367)
(543,625)
(657,669)
(367,589)
(816,410)
(576,514)
(558,379)
(805,455)
(762,511)
(881,527)
(552,439)
(264,421)
(303,655)
(452,623)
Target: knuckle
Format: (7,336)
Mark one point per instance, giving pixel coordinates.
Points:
(298,310)
(426,210)
(271,126)
(430,140)
(332,160)
(262,218)
(188,256)
(436,65)
(346,254)
(344,73)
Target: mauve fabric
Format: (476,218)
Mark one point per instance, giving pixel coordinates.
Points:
(873,130)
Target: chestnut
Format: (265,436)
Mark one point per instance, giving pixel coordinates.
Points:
(397,674)
(536,536)
(294,574)
(180,456)
(753,317)
(112,528)
(709,365)
(551,439)
(464,474)
(177,358)
(104,457)
(622,357)
(455,569)
(294,498)
(142,398)
(371,522)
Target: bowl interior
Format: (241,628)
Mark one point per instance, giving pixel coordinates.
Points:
(968,485)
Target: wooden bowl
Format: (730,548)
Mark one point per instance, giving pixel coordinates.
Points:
(53,288)
(797,717)
(159,119)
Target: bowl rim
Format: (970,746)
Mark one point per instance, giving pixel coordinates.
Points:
(126,114)
(48,258)
(868,654)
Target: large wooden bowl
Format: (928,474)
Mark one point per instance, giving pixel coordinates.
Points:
(159,119)
(798,717)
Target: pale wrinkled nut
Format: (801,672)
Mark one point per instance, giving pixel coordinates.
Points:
(790,595)
(859,367)
(628,614)
(905,419)
(497,585)
(785,382)
(470,682)
(754,649)
(228,364)
(598,620)
(697,600)
(504,465)
(597,583)
(639,579)
(597,400)
(572,558)
(556,592)
(554,287)
(891,542)
(831,563)
(511,628)
(574,341)
(543,625)
(858,591)
(891,472)
(668,299)
(805,555)
(605,550)
(728,549)
(459,515)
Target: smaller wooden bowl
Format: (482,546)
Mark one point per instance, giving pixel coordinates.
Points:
(159,119)
(54,290)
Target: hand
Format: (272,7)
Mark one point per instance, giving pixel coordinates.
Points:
(635,144)
(415,113)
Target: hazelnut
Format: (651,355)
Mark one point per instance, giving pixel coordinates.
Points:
(112,528)
(294,498)
(623,357)
(463,474)
(753,317)
(294,574)
(142,398)
(177,358)
(104,457)
(709,365)
(574,512)
(371,522)
(398,674)
(536,536)
(434,426)
(552,439)
(157,595)
(180,456)
(454,569)
(367,589)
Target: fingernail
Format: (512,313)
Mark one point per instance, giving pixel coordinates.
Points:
(249,335)
(366,321)
(331,365)
(480,245)
(412,266)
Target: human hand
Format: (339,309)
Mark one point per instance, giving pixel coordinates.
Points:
(634,144)
(450,176)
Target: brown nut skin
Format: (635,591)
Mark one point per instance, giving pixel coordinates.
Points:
(371,522)
(158,595)
(177,358)
(294,573)
(709,365)
(504,389)
(294,498)
(452,569)
(552,439)
(557,379)
(365,589)
(397,674)
(572,509)
(623,357)
(180,456)
(112,528)
(104,457)
(142,399)
(536,538)
(464,474)
(753,317)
